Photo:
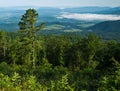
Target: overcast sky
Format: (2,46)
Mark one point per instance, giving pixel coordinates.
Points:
(59,3)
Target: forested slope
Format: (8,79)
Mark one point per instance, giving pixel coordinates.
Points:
(30,62)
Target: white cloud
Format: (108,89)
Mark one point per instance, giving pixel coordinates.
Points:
(89,17)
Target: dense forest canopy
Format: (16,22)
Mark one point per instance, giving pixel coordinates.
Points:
(33,62)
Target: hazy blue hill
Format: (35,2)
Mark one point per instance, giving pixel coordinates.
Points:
(48,11)
(86,9)
(95,10)
(9,18)
(115,10)
(108,26)
(12,27)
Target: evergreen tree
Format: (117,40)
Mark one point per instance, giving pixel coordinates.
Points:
(3,44)
(29,29)
(89,46)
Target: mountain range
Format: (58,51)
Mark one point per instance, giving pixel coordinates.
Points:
(108,26)
(61,20)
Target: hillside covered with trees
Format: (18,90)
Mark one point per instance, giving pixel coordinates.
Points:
(33,62)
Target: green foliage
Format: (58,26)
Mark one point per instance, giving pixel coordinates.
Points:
(111,82)
(18,83)
(89,45)
(30,62)
(5,68)
(61,85)
(28,31)
(3,45)
(55,47)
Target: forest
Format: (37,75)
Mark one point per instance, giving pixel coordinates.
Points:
(30,61)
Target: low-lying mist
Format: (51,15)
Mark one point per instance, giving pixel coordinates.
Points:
(89,17)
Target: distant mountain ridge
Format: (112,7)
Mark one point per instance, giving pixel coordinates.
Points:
(106,26)
(115,11)
(10,16)
(95,10)
(88,9)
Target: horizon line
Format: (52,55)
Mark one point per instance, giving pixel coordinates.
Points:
(55,6)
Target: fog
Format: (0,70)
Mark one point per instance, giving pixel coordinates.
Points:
(89,17)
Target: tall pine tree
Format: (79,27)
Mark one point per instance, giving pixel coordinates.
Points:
(28,30)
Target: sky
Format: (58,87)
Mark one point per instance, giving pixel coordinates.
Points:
(59,3)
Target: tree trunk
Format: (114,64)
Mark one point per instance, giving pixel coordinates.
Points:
(33,54)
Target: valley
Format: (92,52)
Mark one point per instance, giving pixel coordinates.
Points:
(76,20)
